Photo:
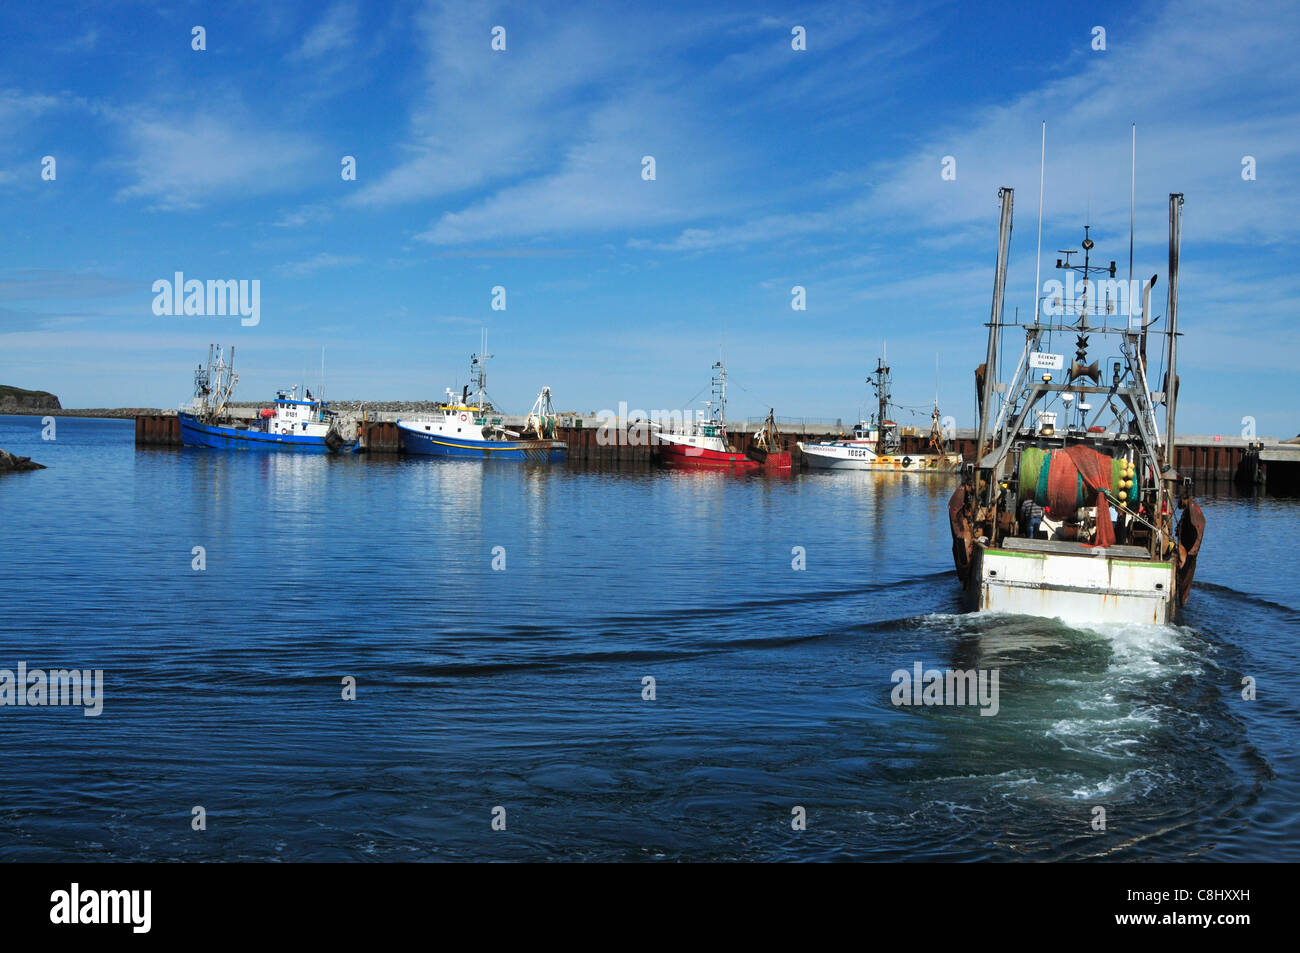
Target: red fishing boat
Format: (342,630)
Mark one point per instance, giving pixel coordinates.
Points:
(705,443)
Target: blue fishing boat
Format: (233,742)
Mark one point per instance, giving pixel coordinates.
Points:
(292,424)
(471,428)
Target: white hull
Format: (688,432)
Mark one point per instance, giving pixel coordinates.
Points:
(698,440)
(861,455)
(1072,583)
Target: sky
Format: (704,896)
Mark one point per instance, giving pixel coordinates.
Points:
(523,169)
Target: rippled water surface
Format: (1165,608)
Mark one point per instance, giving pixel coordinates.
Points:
(522,687)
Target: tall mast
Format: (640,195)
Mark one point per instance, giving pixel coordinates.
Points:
(995,319)
(1171,380)
(882,391)
(1038,258)
(720,390)
(478,370)
(1132,202)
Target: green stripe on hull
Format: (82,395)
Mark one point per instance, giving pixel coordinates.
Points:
(1118,562)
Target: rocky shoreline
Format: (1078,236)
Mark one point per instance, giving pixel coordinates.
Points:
(123,413)
(12,464)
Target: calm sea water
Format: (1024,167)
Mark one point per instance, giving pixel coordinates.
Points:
(522,687)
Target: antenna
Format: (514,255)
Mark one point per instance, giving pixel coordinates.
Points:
(478,369)
(1132,198)
(1038,264)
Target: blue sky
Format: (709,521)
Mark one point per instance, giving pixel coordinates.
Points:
(522,168)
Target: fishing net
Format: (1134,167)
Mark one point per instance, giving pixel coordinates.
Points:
(1105,528)
(1066,479)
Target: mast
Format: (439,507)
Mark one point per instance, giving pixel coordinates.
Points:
(995,319)
(1038,256)
(478,371)
(880,381)
(1171,379)
(720,390)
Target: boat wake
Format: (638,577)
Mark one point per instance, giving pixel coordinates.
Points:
(1122,725)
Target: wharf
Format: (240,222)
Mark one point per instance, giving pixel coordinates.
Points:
(1206,458)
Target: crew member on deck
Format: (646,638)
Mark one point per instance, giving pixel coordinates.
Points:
(1031,515)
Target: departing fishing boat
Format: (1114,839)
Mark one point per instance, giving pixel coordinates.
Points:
(469,427)
(1068,509)
(705,442)
(877,447)
(290,424)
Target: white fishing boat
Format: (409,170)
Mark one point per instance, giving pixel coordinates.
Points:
(878,446)
(1068,509)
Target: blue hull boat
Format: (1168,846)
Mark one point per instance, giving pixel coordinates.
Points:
(226,437)
(472,429)
(290,424)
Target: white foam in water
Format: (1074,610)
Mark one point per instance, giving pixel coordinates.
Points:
(1108,701)
(1139,644)
(1139,782)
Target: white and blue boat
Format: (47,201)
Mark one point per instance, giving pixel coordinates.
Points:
(471,428)
(292,424)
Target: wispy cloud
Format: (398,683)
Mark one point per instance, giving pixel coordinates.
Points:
(180,161)
(50,284)
(333,33)
(303,216)
(1170,77)
(598,185)
(16,105)
(538,109)
(319,262)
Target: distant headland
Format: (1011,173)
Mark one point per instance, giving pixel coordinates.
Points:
(16,400)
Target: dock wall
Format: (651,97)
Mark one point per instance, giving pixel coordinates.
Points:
(1205,458)
(157,430)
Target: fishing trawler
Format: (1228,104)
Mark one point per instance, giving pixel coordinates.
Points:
(469,427)
(877,447)
(1067,510)
(290,424)
(705,443)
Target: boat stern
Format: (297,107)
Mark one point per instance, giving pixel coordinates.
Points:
(1073,583)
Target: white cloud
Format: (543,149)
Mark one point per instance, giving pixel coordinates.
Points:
(598,185)
(16,106)
(303,216)
(334,33)
(1192,82)
(181,161)
(1173,79)
(487,119)
(316,263)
